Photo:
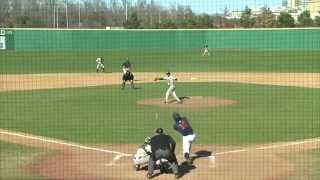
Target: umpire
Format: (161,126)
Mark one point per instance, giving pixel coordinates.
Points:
(162,147)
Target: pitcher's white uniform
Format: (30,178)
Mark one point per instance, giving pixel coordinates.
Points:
(171,91)
(99,63)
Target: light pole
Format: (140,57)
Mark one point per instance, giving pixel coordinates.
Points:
(54,14)
(57,16)
(79,15)
(67,18)
(126,10)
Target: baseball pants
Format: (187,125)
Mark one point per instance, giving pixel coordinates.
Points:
(163,154)
(172,92)
(186,143)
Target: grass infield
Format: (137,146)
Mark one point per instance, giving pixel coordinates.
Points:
(110,115)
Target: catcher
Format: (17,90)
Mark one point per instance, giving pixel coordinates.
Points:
(141,158)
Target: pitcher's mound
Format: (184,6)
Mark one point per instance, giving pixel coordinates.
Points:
(189,102)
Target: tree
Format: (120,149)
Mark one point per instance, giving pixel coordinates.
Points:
(133,21)
(317,20)
(204,21)
(168,24)
(266,19)
(4,12)
(285,20)
(304,19)
(246,19)
(190,18)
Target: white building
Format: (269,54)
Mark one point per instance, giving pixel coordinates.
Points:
(294,7)
(314,8)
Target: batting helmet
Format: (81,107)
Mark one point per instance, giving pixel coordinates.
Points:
(176,116)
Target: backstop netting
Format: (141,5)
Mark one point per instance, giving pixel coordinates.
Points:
(86,87)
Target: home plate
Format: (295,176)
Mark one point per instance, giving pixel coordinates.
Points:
(213,161)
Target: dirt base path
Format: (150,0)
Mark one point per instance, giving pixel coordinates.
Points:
(75,161)
(50,81)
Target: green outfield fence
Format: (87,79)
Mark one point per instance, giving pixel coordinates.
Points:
(44,39)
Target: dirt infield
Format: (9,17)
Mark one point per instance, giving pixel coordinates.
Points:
(75,161)
(50,81)
(194,102)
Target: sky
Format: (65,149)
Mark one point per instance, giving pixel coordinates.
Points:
(218,6)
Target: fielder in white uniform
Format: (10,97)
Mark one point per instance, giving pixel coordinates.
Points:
(206,51)
(171,91)
(100,64)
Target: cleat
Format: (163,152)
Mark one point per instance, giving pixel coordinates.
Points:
(149,176)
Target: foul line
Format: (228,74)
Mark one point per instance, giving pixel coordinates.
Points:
(52,141)
(232,152)
(120,155)
(275,146)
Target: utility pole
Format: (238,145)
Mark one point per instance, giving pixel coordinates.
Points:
(54,15)
(57,16)
(67,17)
(159,17)
(126,10)
(79,15)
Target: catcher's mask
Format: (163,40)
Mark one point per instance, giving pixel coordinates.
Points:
(159,130)
(147,140)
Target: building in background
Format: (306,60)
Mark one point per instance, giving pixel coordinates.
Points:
(293,4)
(314,8)
(294,7)
(303,4)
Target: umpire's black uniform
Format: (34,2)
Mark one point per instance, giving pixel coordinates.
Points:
(163,147)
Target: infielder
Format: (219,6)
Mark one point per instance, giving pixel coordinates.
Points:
(127,74)
(206,50)
(171,91)
(100,64)
(182,125)
(126,65)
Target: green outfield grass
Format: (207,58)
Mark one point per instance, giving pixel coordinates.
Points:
(15,158)
(189,60)
(110,115)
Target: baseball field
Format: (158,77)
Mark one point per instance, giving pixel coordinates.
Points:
(255,110)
